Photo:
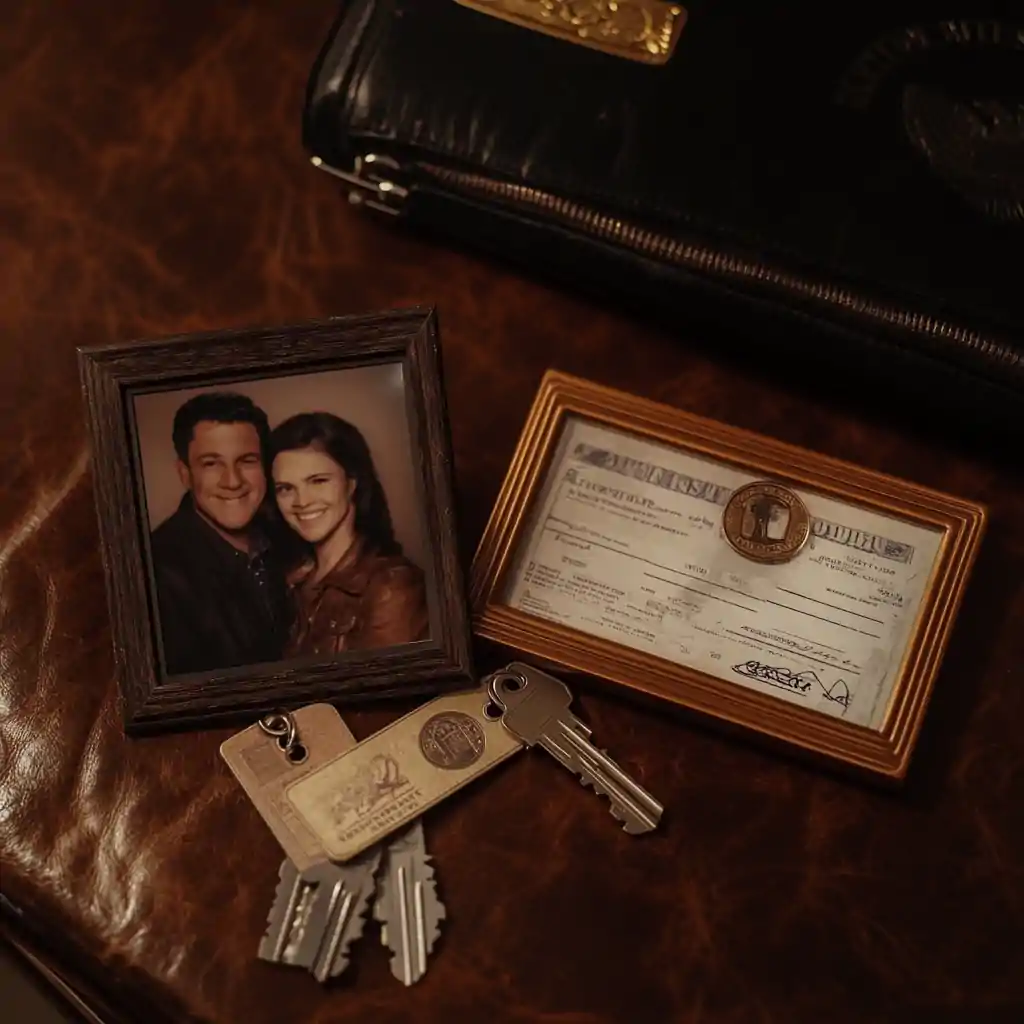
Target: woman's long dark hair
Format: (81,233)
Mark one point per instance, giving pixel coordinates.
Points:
(344,443)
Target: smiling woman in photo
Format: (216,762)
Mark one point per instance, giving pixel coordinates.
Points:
(353,587)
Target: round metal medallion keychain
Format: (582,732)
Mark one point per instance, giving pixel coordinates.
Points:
(766,522)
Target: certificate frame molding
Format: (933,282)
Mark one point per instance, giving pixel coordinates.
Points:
(883,753)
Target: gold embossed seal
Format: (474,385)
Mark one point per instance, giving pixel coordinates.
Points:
(766,522)
(643,30)
(452,740)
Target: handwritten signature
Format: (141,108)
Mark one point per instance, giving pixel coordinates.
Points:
(798,682)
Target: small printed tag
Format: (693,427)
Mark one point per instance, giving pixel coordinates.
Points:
(392,777)
(264,770)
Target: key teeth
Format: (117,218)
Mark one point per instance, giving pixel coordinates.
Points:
(433,935)
(435,914)
(379,913)
(620,815)
(286,878)
(353,932)
(629,824)
(408,850)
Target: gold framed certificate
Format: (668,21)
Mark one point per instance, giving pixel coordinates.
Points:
(748,580)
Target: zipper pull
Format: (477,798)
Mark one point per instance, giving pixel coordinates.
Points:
(372,180)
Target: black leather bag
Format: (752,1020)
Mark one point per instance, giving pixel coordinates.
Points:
(827,191)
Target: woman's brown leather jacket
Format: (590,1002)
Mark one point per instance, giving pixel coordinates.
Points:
(367,600)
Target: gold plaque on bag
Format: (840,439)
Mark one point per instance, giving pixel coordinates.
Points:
(642,30)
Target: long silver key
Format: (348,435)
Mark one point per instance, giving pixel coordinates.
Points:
(317,914)
(535,709)
(407,904)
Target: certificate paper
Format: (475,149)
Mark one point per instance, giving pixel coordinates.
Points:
(626,544)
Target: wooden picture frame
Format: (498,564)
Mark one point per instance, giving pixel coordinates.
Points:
(606,554)
(385,367)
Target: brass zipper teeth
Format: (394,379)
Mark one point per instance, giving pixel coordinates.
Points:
(698,257)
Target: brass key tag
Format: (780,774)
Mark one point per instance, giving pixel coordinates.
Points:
(264,769)
(391,778)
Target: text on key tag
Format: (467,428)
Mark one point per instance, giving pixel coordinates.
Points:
(264,771)
(391,778)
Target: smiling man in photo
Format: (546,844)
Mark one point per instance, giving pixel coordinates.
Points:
(221,595)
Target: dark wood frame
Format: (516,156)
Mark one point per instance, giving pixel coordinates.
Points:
(111,375)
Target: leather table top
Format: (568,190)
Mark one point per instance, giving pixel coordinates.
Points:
(152,182)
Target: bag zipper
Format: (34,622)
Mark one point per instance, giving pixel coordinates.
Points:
(373,178)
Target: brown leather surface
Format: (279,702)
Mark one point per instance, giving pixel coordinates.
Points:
(152,182)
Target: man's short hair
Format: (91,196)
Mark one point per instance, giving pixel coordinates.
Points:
(218,407)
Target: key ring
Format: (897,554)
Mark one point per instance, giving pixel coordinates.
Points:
(281,724)
(504,679)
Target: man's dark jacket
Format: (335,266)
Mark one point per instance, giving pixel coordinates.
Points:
(218,607)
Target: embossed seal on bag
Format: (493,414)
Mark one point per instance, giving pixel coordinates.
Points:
(955,84)
(643,30)
(452,740)
(766,522)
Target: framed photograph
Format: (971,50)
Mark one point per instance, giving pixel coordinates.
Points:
(275,516)
(755,583)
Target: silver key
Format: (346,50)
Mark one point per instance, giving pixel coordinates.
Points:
(535,709)
(316,915)
(407,904)
(286,922)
